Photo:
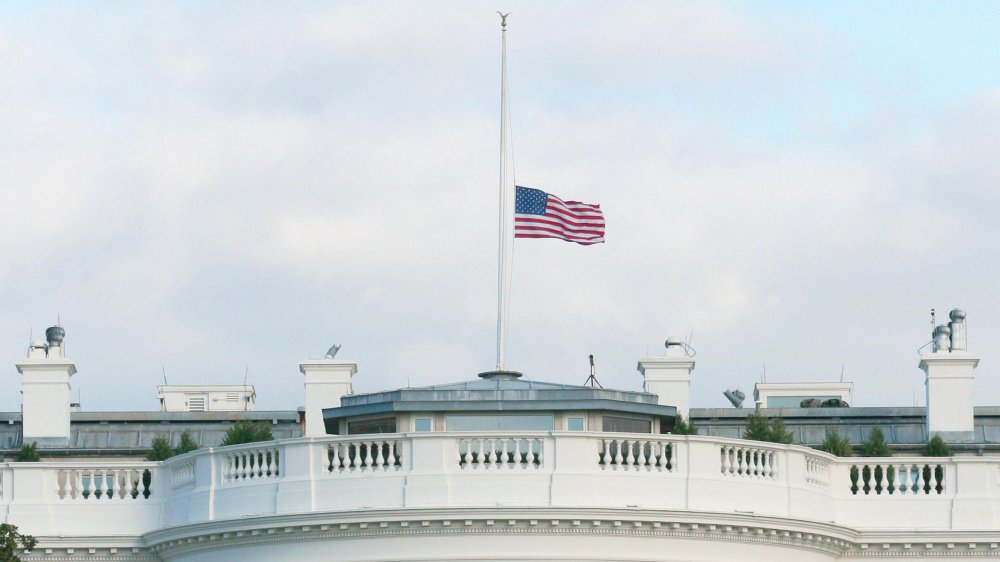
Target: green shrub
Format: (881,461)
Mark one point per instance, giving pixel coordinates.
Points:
(12,541)
(836,445)
(936,447)
(186,444)
(762,428)
(246,431)
(875,445)
(28,453)
(683,426)
(161,450)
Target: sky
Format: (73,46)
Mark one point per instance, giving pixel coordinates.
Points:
(221,190)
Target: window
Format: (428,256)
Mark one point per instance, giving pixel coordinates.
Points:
(196,404)
(377,425)
(422,424)
(614,424)
(499,422)
(574,424)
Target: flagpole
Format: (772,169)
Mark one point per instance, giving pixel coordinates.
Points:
(502,235)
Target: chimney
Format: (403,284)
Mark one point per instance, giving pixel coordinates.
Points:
(949,381)
(326,381)
(45,389)
(669,377)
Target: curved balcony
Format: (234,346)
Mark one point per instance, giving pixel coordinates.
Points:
(563,479)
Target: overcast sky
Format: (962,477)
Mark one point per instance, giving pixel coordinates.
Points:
(220,188)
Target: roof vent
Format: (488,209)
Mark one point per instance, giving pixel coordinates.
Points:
(500,375)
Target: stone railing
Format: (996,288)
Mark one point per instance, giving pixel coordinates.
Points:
(497,470)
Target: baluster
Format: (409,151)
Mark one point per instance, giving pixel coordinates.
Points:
(641,458)
(116,487)
(895,481)
(539,457)
(741,454)
(940,480)
(505,454)
(629,458)
(921,481)
(62,482)
(522,462)
(602,452)
(129,485)
(727,465)
(459,454)
(478,456)
(489,453)
(869,474)
(378,462)
(656,452)
(352,452)
(105,494)
(272,463)
(391,461)
(78,484)
(243,459)
(766,458)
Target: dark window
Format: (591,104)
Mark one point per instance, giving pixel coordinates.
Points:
(614,424)
(377,425)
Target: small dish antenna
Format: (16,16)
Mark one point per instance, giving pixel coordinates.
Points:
(332,352)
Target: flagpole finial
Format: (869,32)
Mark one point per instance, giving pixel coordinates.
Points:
(503,19)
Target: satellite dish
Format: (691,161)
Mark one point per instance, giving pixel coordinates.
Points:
(332,352)
(735,397)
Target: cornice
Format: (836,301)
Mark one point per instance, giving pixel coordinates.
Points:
(791,534)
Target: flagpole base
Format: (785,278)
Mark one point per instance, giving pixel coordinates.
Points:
(501,375)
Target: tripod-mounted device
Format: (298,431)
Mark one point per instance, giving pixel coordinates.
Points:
(592,379)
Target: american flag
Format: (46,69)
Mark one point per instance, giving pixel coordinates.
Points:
(542,215)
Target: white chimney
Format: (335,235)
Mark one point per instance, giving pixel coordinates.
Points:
(949,381)
(669,377)
(326,380)
(45,388)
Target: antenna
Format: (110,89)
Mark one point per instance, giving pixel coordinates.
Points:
(164,369)
(246,400)
(763,372)
(842,365)
(592,379)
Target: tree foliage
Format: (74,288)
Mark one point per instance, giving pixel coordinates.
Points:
(836,445)
(246,431)
(186,444)
(683,426)
(28,453)
(762,428)
(11,542)
(936,447)
(161,449)
(875,445)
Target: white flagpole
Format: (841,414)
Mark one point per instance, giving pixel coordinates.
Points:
(502,293)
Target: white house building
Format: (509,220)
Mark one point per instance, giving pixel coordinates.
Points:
(506,468)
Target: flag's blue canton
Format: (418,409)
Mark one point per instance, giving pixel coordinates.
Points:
(530,201)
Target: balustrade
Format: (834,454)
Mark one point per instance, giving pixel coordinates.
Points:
(637,454)
(363,455)
(251,464)
(817,471)
(749,462)
(109,484)
(500,452)
(182,474)
(898,478)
